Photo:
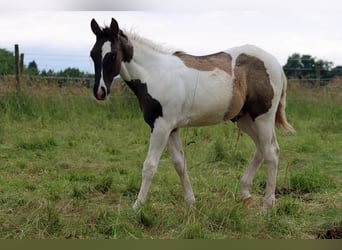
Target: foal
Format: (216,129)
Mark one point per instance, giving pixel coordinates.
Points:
(175,90)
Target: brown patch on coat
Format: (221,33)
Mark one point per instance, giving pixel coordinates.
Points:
(238,96)
(219,60)
(252,89)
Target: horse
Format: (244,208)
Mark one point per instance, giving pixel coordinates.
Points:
(245,85)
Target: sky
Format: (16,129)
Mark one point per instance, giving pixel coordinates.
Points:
(57,35)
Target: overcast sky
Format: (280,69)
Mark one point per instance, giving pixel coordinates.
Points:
(58,35)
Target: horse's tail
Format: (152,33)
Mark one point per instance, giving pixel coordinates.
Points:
(280,119)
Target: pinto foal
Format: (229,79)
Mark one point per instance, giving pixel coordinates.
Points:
(176,90)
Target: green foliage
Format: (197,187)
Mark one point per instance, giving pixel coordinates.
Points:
(310,180)
(220,152)
(38,144)
(337,71)
(105,184)
(32,68)
(306,66)
(68,72)
(7,63)
(71,72)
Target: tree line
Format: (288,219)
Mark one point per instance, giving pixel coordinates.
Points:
(310,68)
(7,67)
(298,66)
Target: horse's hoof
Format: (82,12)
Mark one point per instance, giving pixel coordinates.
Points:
(247,202)
(136,206)
(190,201)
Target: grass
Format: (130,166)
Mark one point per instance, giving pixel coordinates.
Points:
(70,167)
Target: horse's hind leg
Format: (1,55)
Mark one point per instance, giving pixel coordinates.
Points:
(248,126)
(263,134)
(177,155)
(270,149)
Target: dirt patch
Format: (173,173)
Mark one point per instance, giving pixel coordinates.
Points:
(299,194)
(335,233)
(284,191)
(289,191)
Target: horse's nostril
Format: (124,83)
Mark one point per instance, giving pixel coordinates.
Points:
(104,92)
(101,93)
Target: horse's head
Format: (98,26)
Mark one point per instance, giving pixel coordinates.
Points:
(110,49)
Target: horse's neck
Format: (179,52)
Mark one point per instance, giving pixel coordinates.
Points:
(145,59)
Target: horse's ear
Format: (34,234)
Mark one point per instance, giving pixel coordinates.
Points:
(114,27)
(95,27)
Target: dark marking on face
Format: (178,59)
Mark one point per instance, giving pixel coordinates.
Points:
(221,60)
(150,107)
(108,66)
(252,89)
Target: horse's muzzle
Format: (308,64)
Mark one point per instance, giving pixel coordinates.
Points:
(101,94)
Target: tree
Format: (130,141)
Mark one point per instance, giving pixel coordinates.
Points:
(32,68)
(337,71)
(300,66)
(306,67)
(324,67)
(68,72)
(293,66)
(7,63)
(71,72)
(47,73)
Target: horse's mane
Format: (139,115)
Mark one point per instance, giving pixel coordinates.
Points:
(135,37)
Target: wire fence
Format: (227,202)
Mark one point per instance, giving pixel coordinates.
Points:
(58,85)
(54,85)
(56,79)
(60,81)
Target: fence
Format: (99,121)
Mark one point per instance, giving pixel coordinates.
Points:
(56,85)
(87,82)
(10,82)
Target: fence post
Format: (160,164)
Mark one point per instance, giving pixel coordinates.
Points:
(21,64)
(17,66)
(318,76)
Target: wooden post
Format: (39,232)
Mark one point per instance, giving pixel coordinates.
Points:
(21,75)
(17,65)
(21,64)
(318,76)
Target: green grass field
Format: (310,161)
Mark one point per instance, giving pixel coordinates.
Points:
(70,167)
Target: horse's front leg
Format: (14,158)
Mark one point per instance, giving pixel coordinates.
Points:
(158,140)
